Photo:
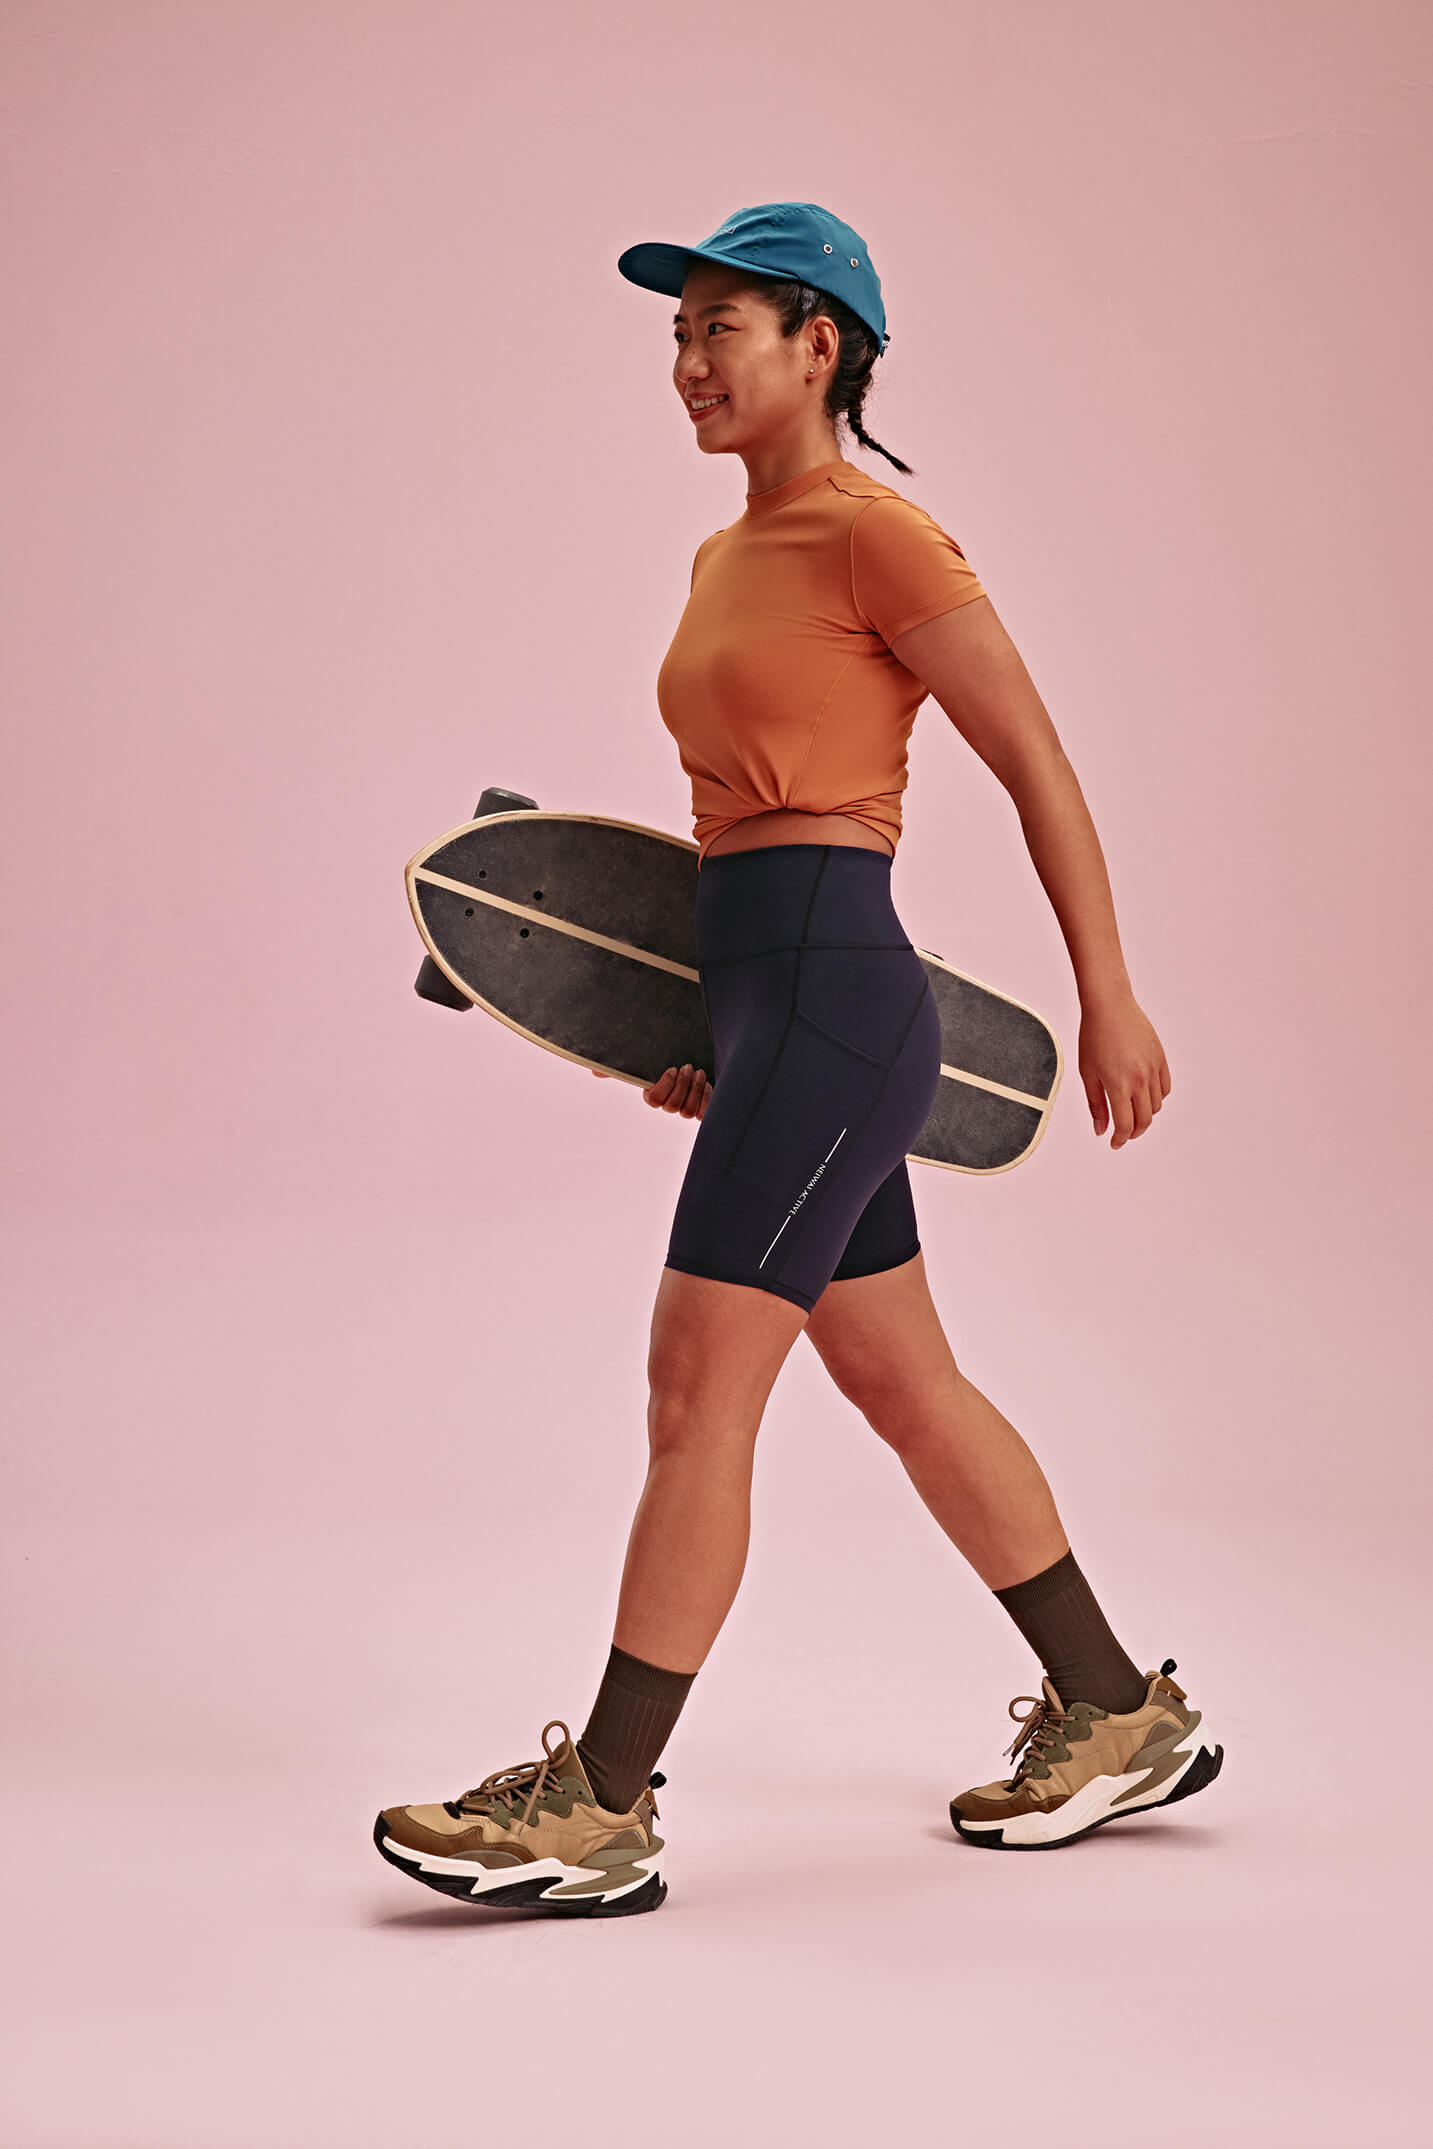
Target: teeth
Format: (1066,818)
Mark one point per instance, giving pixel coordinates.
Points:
(706,402)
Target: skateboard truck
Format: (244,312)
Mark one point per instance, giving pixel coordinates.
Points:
(432,982)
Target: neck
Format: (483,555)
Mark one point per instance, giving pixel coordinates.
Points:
(767,467)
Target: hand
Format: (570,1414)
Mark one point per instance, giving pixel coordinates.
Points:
(1120,1056)
(681,1089)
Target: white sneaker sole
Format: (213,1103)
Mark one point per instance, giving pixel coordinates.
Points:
(547,1885)
(1094,1804)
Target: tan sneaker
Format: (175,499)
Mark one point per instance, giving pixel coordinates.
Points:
(533,1838)
(1082,1767)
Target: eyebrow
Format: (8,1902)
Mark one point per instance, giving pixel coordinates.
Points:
(723,305)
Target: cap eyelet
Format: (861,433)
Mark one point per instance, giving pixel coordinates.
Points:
(854,262)
(825,249)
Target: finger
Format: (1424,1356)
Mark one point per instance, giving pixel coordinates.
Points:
(677,1100)
(1095,1097)
(696,1095)
(1139,1104)
(1123,1115)
(656,1093)
(668,1089)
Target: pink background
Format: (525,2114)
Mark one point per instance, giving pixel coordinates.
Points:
(345,476)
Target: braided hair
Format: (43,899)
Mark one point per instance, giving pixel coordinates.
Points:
(794,304)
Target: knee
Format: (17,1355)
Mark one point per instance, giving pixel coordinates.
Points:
(680,1423)
(879,1395)
(897,1406)
(688,1413)
(891,1414)
(871,1380)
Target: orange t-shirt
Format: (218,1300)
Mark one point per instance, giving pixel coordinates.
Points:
(780,687)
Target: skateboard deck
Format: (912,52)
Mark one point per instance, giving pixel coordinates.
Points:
(579,932)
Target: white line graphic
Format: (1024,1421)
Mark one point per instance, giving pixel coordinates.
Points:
(761,1264)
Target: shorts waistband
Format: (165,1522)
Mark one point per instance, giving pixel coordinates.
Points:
(786,895)
(765,850)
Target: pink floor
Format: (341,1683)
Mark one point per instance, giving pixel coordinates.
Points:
(204,1950)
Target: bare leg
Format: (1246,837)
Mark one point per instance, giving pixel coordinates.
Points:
(716,1349)
(881,1340)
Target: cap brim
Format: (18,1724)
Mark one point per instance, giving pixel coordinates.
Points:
(657,267)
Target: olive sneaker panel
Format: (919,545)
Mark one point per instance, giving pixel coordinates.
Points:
(1083,1765)
(533,1837)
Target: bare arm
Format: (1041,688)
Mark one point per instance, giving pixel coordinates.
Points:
(973,669)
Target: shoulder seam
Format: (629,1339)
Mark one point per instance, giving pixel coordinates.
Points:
(856,605)
(854,487)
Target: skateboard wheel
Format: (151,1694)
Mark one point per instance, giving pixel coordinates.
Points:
(495,800)
(433,983)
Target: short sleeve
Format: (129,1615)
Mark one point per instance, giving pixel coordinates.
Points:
(904,568)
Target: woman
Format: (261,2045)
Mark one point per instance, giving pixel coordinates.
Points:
(817,623)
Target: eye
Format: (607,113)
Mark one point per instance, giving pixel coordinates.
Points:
(677,333)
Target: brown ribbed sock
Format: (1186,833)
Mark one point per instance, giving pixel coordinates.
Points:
(637,1704)
(1058,1616)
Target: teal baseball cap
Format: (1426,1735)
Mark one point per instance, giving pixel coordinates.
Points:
(798,239)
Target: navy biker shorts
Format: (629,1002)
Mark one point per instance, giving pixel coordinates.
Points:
(827,1063)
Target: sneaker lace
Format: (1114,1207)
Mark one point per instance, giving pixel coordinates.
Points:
(507,1789)
(1039,1730)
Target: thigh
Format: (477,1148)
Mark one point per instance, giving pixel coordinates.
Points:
(880,1338)
(716,1349)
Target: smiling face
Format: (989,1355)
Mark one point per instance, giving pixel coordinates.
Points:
(729,344)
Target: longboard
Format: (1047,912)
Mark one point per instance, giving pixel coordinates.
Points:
(579,932)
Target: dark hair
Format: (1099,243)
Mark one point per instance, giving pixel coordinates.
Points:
(796,303)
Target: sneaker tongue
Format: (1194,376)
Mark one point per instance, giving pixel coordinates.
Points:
(566,1761)
(1051,1696)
